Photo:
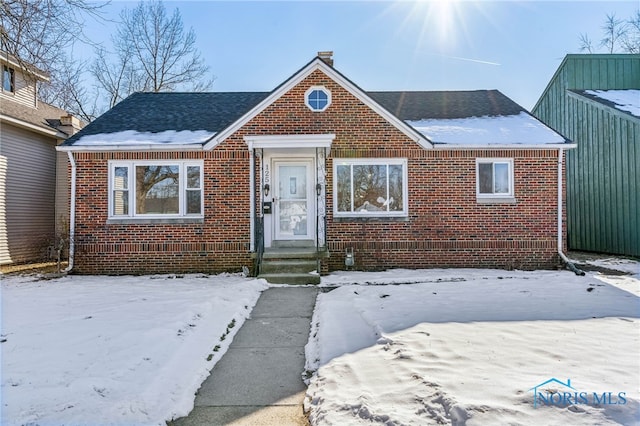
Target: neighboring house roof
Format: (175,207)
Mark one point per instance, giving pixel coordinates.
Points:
(155,120)
(45,118)
(31,69)
(583,71)
(627,100)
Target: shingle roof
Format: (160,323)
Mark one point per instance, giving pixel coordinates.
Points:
(158,112)
(214,111)
(45,116)
(446,104)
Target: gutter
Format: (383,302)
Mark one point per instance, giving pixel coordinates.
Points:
(72,213)
(146,147)
(448,146)
(564,258)
(252,201)
(33,127)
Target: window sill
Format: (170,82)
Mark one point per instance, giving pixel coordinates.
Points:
(371,218)
(155,221)
(496,200)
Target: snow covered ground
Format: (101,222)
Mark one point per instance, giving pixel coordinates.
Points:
(450,347)
(114,350)
(470,347)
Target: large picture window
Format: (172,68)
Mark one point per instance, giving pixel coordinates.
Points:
(370,187)
(155,189)
(494,178)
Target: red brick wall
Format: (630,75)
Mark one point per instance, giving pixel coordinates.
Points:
(219,243)
(445,227)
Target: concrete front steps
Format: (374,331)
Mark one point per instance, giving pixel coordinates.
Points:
(290,262)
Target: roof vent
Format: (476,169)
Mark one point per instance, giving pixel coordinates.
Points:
(327,57)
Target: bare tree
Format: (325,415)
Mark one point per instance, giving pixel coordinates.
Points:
(152,52)
(586,45)
(618,35)
(35,32)
(69,91)
(614,30)
(118,78)
(631,40)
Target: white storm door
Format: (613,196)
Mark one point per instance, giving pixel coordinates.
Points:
(294,212)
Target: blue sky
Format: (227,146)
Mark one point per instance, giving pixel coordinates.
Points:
(513,46)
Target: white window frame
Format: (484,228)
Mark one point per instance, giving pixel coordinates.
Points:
(182,189)
(366,161)
(311,89)
(493,197)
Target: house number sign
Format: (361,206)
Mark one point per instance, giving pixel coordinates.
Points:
(267,174)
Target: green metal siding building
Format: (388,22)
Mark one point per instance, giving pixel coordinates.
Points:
(603,173)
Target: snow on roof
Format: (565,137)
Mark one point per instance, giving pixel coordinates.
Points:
(135,138)
(520,129)
(625,100)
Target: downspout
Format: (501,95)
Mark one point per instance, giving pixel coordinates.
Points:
(72,213)
(564,258)
(252,200)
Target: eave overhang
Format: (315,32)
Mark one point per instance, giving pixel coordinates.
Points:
(54,133)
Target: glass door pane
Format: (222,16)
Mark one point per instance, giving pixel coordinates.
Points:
(292,202)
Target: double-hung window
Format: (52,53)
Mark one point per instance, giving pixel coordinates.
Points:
(370,187)
(155,189)
(8,79)
(494,179)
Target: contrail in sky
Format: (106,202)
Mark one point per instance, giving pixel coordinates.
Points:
(470,60)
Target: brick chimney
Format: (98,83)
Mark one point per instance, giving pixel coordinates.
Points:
(327,57)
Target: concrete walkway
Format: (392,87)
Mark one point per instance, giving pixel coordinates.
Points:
(259,380)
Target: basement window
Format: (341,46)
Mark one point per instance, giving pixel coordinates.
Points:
(155,189)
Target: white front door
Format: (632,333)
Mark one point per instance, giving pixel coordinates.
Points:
(294,209)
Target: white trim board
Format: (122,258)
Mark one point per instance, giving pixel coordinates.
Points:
(289,141)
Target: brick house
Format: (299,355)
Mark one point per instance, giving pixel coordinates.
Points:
(317,169)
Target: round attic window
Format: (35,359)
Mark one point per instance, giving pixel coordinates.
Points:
(318,98)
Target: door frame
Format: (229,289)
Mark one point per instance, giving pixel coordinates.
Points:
(309,163)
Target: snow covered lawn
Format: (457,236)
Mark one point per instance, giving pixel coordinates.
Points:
(114,350)
(448,347)
(468,347)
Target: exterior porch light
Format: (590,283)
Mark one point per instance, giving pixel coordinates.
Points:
(318,189)
(266,189)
